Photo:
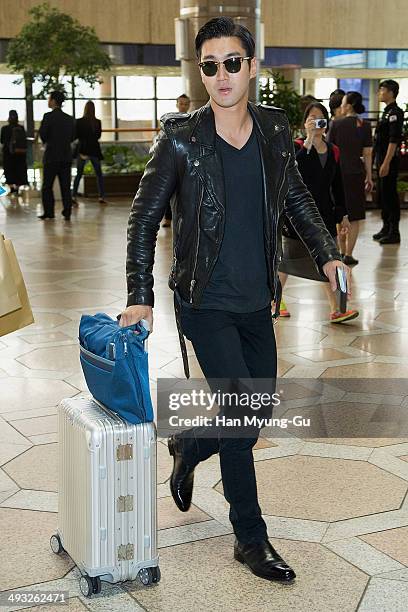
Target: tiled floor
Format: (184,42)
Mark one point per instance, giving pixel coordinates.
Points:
(336,508)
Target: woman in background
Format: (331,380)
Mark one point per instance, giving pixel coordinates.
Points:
(319,166)
(88,133)
(353,137)
(14,140)
(335,100)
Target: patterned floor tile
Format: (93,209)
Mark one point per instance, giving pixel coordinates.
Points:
(24,542)
(393,542)
(36,469)
(189,580)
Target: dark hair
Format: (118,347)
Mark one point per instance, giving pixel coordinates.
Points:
(391,86)
(321,108)
(224,26)
(335,102)
(338,92)
(13,117)
(183,96)
(355,99)
(89,114)
(58,96)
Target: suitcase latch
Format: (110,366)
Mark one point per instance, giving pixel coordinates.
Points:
(126,552)
(125,503)
(124,452)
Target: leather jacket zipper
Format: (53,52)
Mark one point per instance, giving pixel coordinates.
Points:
(193,281)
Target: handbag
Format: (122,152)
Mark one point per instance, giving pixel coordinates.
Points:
(9,298)
(115,365)
(297,261)
(22,316)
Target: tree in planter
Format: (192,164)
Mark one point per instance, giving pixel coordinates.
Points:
(283,95)
(53,45)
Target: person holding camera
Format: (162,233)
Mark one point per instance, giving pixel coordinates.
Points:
(353,137)
(319,166)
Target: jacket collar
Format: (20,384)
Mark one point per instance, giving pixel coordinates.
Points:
(203,131)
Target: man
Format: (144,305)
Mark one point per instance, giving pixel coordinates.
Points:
(183,105)
(57,131)
(232,166)
(388,137)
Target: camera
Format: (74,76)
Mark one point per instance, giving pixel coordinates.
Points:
(320,123)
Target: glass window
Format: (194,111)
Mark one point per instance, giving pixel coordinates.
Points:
(169,87)
(166,106)
(135,114)
(402,99)
(65,80)
(83,90)
(8,89)
(324,87)
(134,87)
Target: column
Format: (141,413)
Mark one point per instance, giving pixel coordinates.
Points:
(193,15)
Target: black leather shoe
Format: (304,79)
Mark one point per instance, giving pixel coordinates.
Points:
(391,238)
(43,217)
(263,561)
(383,232)
(182,476)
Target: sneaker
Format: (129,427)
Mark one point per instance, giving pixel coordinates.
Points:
(349,260)
(284,312)
(341,317)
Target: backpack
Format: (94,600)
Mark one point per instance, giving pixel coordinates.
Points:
(18,141)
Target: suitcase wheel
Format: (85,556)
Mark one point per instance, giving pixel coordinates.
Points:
(56,545)
(149,575)
(90,586)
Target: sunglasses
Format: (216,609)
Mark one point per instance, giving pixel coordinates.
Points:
(232,65)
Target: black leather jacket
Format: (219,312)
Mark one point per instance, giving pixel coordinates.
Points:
(184,162)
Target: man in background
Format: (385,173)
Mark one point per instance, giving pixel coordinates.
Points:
(388,135)
(57,131)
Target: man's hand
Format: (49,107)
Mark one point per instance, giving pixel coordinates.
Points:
(329,269)
(384,170)
(133,314)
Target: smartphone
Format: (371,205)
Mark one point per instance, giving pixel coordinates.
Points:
(320,123)
(341,280)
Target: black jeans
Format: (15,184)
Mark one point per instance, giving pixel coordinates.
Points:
(51,171)
(96,163)
(232,346)
(388,196)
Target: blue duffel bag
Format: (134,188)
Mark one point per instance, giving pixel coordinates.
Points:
(115,366)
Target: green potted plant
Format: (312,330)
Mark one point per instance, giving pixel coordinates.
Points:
(402,188)
(283,95)
(122,167)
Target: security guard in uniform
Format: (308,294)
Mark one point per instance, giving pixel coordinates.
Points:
(388,137)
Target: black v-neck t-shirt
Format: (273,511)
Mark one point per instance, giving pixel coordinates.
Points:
(239,281)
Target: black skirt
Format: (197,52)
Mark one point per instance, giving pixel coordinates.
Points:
(15,168)
(355,197)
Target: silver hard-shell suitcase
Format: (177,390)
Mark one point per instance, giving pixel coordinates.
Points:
(107,519)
